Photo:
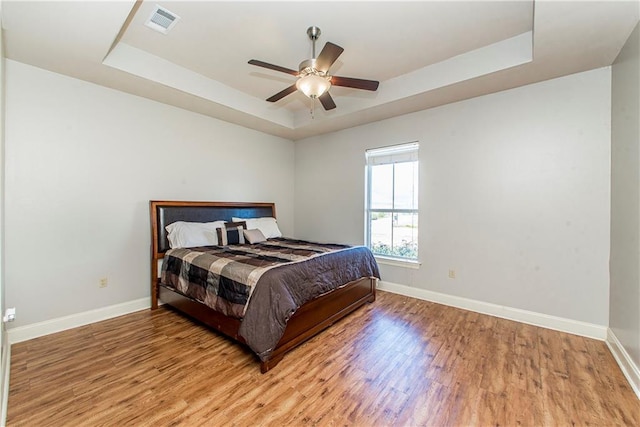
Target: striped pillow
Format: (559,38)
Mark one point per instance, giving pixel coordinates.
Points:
(231,233)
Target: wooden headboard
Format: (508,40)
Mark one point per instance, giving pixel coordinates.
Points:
(165,212)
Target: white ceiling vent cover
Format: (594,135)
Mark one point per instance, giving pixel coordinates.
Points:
(162,20)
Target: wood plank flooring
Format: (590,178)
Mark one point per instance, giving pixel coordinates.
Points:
(398,361)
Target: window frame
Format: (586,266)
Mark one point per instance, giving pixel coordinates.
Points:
(411,148)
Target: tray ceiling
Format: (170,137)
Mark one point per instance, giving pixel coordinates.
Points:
(423,53)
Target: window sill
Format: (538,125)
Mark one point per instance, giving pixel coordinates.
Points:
(398,262)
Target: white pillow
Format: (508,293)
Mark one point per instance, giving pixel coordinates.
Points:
(191,234)
(254,236)
(267,225)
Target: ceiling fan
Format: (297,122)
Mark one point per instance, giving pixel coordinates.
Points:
(313,75)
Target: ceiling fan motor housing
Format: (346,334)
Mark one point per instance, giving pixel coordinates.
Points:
(308,66)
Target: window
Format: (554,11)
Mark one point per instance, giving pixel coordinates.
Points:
(392,201)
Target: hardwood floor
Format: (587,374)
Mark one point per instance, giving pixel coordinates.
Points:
(398,361)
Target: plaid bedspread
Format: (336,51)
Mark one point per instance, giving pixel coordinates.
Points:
(288,273)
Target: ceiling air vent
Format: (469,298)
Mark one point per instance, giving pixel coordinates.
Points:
(162,20)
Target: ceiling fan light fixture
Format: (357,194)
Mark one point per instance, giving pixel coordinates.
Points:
(313,85)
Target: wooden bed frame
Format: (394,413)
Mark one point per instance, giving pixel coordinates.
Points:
(307,321)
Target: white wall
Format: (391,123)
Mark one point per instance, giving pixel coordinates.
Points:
(82,163)
(5,349)
(514,195)
(2,126)
(625,198)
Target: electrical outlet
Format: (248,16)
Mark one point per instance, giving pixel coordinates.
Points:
(9,315)
(104,282)
(452,274)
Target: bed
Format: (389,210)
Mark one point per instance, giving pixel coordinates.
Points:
(304,319)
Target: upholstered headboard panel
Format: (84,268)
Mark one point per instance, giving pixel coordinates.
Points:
(164,213)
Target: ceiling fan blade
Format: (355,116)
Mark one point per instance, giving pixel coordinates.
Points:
(273,67)
(278,96)
(327,101)
(330,52)
(354,83)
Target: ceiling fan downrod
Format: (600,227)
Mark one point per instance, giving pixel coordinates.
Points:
(313,33)
(308,66)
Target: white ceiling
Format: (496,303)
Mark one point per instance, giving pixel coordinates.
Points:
(424,54)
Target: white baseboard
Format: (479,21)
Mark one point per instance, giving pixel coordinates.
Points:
(575,327)
(627,365)
(5,367)
(35,330)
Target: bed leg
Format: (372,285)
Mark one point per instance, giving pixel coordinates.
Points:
(271,363)
(154,297)
(374,286)
(154,284)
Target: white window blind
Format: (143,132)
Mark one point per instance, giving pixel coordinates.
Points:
(394,154)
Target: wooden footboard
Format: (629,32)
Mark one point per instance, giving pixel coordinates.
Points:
(321,313)
(310,319)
